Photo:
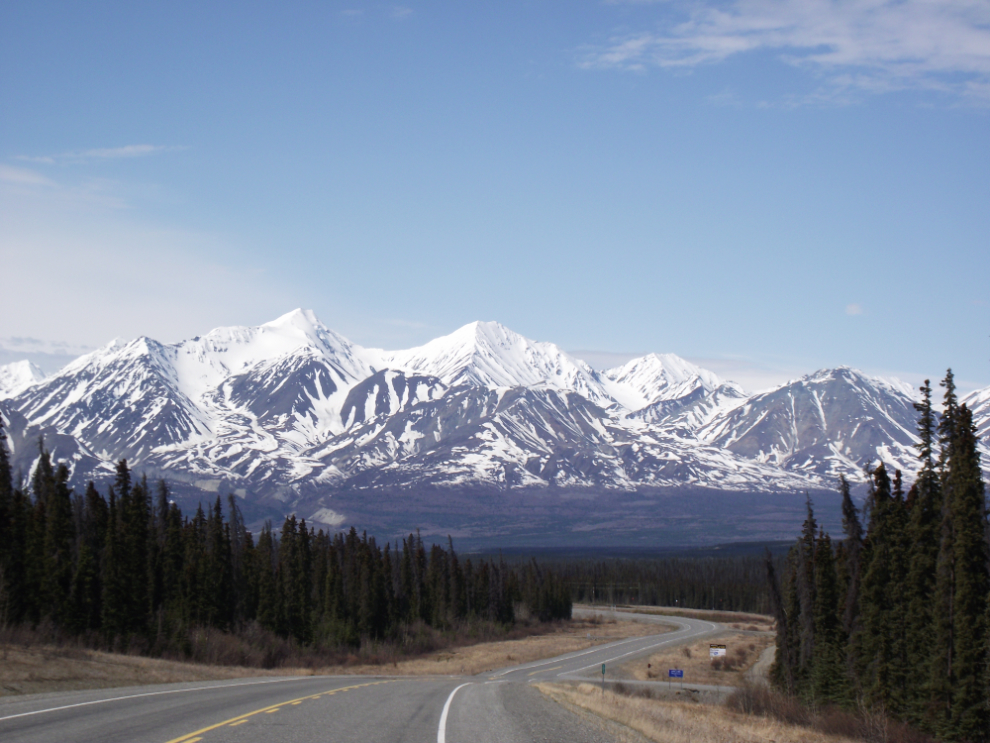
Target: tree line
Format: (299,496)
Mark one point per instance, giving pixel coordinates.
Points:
(723,583)
(132,565)
(897,614)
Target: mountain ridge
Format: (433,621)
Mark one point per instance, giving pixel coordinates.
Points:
(293,413)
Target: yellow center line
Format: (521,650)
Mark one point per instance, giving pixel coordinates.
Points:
(192,737)
(542,670)
(239,722)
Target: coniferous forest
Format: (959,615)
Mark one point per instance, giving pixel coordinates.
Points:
(130,571)
(721,583)
(896,615)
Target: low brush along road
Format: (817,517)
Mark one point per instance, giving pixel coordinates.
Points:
(493,707)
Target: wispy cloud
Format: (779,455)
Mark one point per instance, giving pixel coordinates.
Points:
(854,309)
(89,192)
(863,45)
(106,153)
(41,345)
(23,177)
(400,12)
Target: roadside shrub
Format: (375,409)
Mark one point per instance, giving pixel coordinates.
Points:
(754,699)
(871,725)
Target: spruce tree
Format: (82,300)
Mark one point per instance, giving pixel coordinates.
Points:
(924,515)
(828,682)
(135,515)
(806,591)
(897,598)
(58,547)
(268,600)
(942,679)
(43,479)
(113,603)
(16,569)
(964,481)
(6,536)
(874,646)
(87,587)
(6,502)
(173,567)
(852,550)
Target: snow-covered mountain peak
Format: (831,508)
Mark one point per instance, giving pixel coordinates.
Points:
(488,354)
(203,362)
(654,377)
(298,318)
(17,377)
(303,328)
(859,379)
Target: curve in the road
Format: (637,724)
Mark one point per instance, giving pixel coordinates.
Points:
(500,706)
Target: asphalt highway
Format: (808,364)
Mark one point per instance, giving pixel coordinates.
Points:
(493,707)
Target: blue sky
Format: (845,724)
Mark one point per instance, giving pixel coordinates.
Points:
(767,187)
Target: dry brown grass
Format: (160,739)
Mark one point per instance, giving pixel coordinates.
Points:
(870,725)
(488,656)
(30,669)
(742,651)
(682,722)
(44,669)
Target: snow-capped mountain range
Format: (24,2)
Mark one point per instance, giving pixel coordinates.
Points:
(293,411)
(17,377)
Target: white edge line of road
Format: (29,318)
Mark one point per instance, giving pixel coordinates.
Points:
(153,694)
(595,649)
(442,730)
(639,650)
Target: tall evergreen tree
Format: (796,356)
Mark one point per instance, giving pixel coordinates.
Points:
(806,590)
(874,646)
(268,599)
(113,603)
(828,672)
(964,481)
(6,505)
(942,678)
(852,552)
(43,479)
(134,513)
(58,548)
(924,514)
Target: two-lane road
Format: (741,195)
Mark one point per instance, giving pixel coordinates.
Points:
(499,706)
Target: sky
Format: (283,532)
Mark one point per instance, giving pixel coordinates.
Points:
(766,187)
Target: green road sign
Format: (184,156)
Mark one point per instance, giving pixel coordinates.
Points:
(603,669)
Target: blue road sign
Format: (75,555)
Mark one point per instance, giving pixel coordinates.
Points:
(675,673)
